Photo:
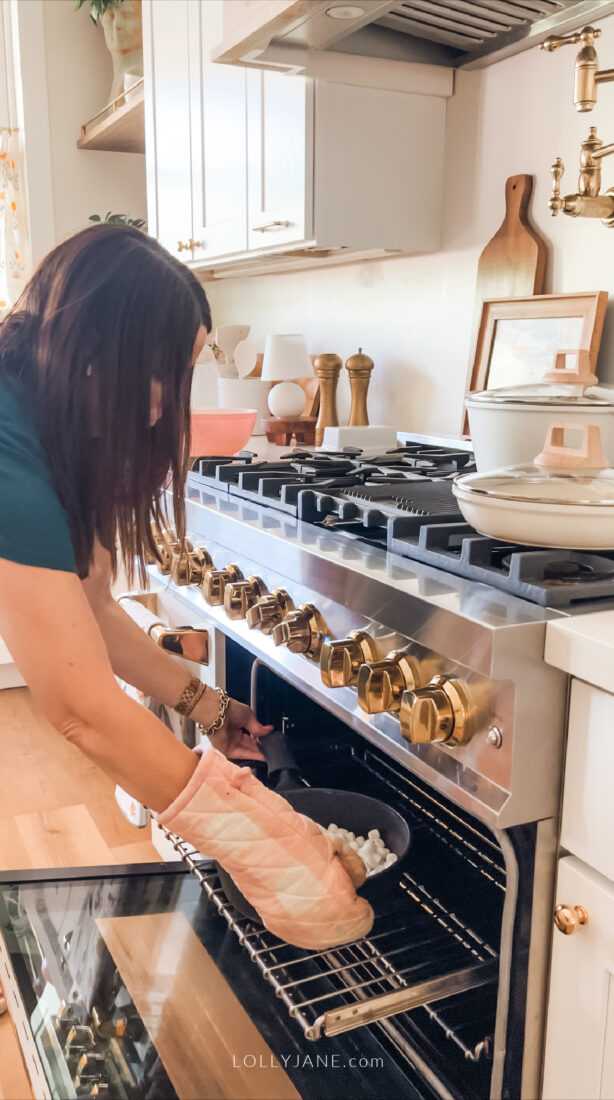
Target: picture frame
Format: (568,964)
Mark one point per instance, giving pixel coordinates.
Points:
(518,337)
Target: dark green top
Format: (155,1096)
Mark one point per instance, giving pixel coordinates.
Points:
(33,524)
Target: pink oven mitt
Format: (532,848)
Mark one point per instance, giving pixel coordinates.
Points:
(300,880)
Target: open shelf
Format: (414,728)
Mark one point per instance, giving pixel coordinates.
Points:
(119,127)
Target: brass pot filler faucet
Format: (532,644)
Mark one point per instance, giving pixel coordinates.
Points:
(587,203)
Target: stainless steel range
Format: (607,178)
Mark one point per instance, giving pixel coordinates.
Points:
(417,684)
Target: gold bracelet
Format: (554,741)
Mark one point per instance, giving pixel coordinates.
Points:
(221,715)
(190,696)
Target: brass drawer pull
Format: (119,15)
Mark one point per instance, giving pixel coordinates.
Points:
(271,225)
(570,918)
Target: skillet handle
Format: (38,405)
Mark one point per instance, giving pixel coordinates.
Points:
(280,761)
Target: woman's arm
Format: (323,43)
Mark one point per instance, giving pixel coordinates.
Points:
(137,659)
(52,635)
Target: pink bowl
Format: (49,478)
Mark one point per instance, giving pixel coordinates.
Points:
(220,431)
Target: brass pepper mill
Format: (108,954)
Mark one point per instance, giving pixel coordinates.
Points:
(327,368)
(359,368)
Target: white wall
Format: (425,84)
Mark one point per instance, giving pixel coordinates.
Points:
(414,315)
(67,80)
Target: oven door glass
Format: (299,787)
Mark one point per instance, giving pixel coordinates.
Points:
(133,987)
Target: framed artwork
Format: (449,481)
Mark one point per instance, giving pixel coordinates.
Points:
(518,337)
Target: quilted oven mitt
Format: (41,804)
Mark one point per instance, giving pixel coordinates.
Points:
(300,880)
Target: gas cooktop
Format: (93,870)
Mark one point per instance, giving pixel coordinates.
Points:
(402,501)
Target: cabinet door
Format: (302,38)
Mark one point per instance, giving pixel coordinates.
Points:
(167,123)
(279,159)
(218,110)
(580,1027)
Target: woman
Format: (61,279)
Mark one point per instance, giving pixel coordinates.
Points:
(96,364)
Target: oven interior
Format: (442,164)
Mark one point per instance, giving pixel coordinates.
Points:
(440,922)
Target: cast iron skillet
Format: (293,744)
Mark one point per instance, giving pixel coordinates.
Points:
(357,812)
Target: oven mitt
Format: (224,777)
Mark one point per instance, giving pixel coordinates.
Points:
(299,879)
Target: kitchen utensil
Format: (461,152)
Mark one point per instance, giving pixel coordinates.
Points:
(220,431)
(349,810)
(359,368)
(565,498)
(281,429)
(227,337)
(245,393)
(327,368)
(508,425)
(245,356)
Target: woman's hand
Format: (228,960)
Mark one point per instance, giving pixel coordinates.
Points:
(237,738)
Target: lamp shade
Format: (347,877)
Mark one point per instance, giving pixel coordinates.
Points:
(285,357)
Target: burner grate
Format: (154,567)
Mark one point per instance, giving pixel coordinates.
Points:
(552,578)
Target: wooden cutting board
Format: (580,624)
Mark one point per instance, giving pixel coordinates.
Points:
(513,263)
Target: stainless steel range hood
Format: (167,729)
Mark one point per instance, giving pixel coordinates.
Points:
(307,35)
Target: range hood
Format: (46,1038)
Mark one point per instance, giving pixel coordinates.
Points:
(318,37)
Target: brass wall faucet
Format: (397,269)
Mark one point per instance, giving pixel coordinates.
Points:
(587,72)
(587,203)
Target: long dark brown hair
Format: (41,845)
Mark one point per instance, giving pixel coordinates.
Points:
(106,313)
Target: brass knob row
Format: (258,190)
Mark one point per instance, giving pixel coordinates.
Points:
(189,245)
(302,630)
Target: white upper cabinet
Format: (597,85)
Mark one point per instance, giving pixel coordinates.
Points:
(280,159)
(242,164)
(167,123)
(219,171)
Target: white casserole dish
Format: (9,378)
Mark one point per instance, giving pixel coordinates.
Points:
(508,426)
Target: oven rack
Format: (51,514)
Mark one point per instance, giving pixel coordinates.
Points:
(412,958)
(477,849)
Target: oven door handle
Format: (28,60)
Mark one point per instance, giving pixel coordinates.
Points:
(191,643)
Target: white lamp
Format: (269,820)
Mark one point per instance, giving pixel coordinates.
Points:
(286,358)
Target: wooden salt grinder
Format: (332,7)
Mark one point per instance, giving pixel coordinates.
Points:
(359,368)
(327,368)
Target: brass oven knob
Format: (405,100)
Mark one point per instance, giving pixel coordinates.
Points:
(570,918)
(241,595)
(190,566)
(341,659)
(215,582)
(302,631)
(382,683)
(269,611)
(442,711)
(170,548)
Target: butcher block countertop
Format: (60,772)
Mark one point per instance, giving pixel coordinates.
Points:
(56,810)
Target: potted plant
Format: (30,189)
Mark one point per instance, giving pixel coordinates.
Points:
(123,33)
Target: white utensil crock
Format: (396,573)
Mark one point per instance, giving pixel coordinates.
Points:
(245,393)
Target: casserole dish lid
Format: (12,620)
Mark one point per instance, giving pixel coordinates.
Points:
(569,382)
(561,474)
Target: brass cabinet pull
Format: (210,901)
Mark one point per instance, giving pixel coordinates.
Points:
(189,245)
(570,918)
(271,225)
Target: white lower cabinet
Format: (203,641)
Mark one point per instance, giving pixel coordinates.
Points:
(579,1060)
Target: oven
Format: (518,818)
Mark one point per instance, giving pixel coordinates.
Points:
(390,678)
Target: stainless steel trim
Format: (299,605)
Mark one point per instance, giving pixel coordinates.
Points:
(466,492)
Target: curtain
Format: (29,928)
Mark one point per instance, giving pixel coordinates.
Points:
(13,236)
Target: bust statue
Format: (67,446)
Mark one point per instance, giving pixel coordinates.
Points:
(123,34)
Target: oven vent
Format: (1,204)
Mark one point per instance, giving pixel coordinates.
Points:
(469,24)
(416,955)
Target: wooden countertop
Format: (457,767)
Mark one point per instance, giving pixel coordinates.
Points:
(56,810)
